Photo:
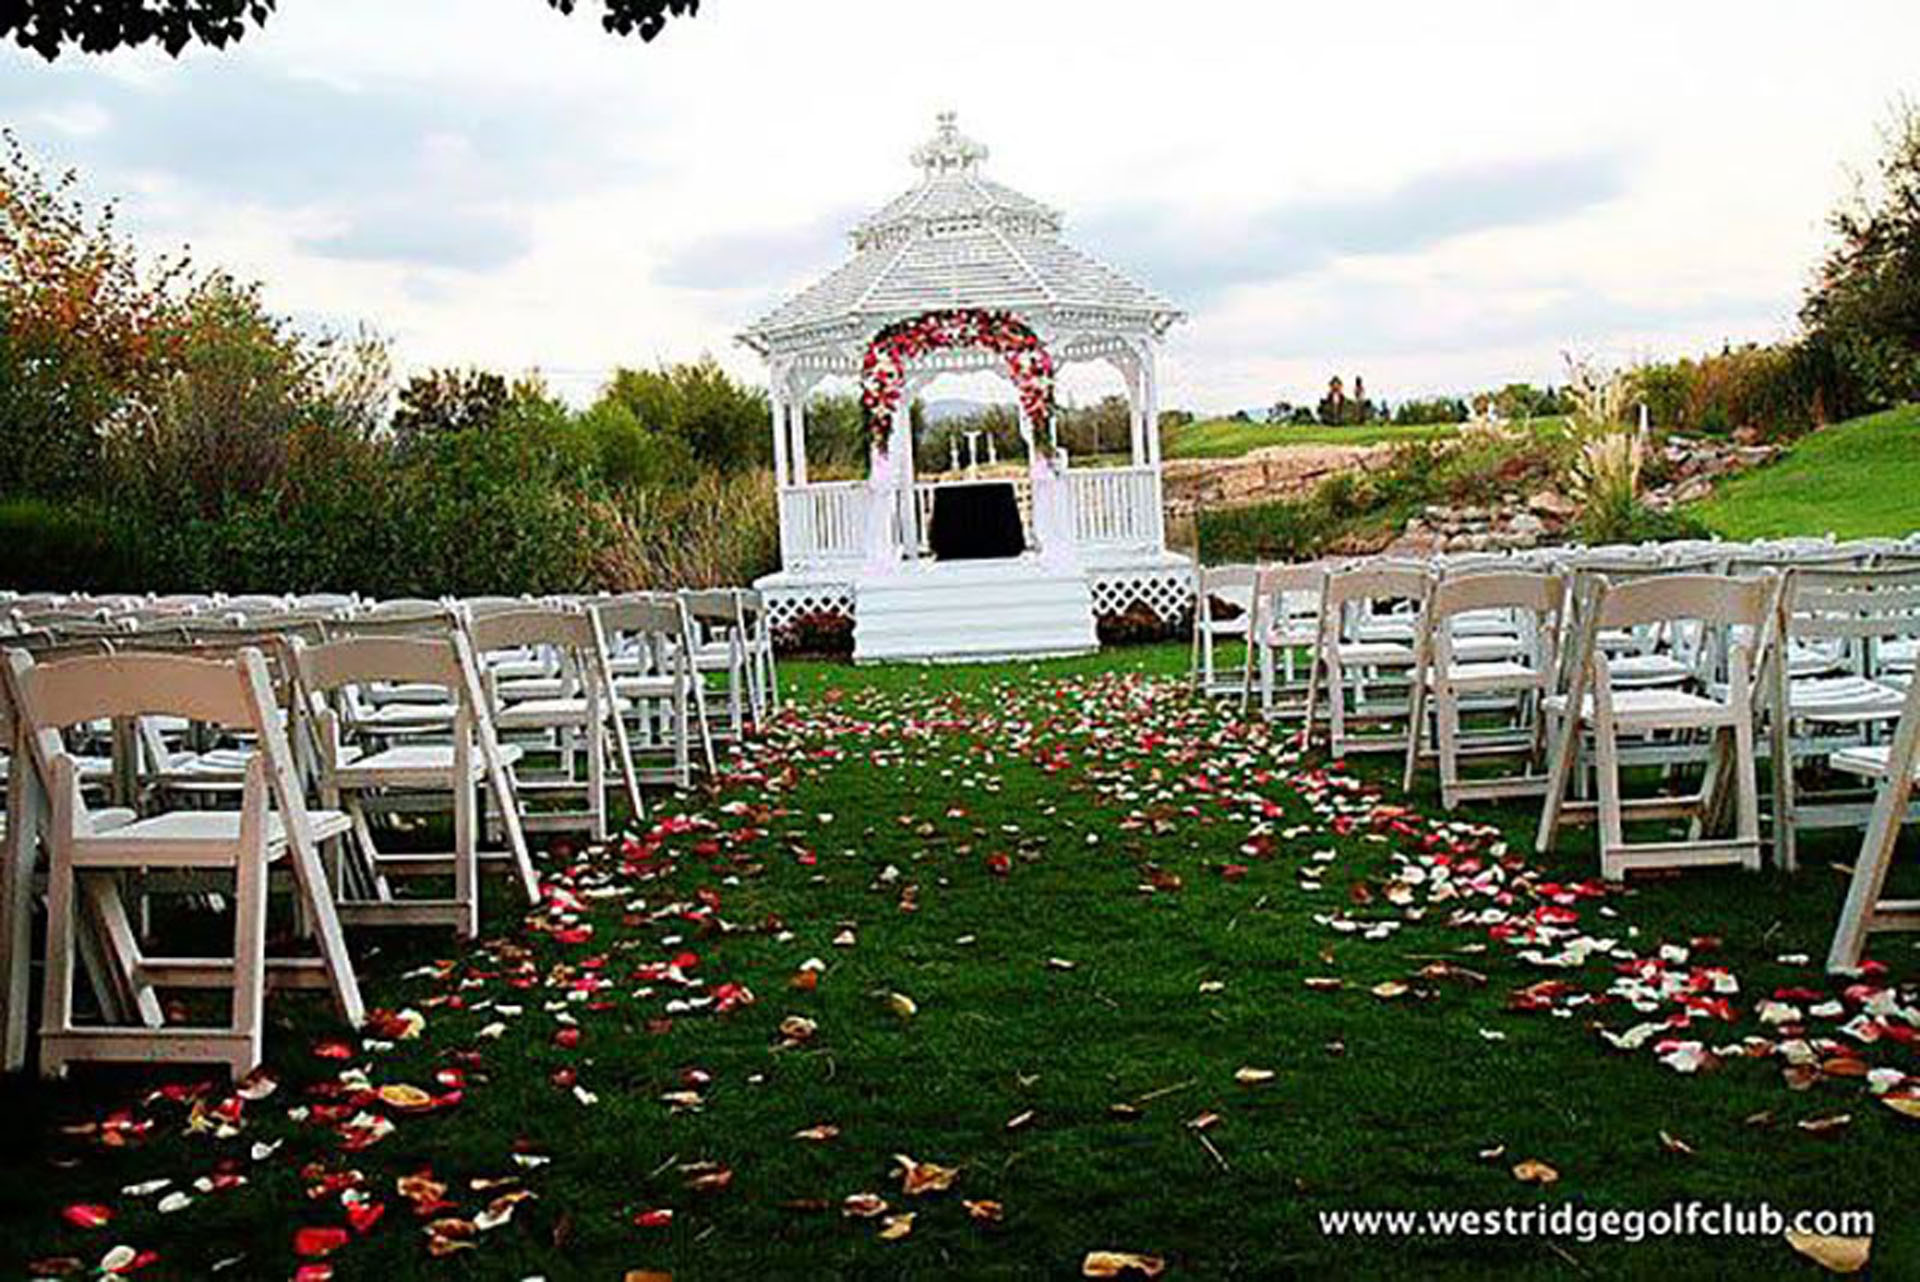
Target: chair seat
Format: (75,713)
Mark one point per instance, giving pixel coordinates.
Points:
(519,667)
(542,714)
(1499,672)
(1847,700)
(1652,708)
(407,716)
(187,835)
(647,687)
(524,689)
(413,765)
(1485,647)
(1383,654)
(1870,761)
(1900,653)
(1646,669)
(408,692)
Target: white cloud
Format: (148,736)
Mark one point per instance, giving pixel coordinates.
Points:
(1436,196)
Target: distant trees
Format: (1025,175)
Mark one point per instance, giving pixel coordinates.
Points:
(1864,307)
(52,27)
(1338,409)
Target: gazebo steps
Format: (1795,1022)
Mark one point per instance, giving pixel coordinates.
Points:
(971,612)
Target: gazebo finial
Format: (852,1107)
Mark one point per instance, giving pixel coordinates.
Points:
(949,148)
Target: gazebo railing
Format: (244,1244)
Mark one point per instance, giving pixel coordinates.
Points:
(823,523)
(1116,507)
(826,523)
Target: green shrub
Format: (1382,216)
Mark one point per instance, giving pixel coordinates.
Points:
(65,544)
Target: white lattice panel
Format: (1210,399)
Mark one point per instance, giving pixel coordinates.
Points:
(1167,592)
(784,605)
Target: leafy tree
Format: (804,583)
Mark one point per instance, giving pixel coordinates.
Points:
(90,330)
(727,425)
(1864,308)
(626,455)
(50,27)
(444,401)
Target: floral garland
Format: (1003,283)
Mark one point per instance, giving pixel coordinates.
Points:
(883,371)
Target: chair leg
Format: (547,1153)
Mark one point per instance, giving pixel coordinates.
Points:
(1613,835)
(1446,713)
(466,848)
(249,960)
(56,1003)
(1746,782)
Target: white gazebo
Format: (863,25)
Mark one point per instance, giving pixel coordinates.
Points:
(961,247)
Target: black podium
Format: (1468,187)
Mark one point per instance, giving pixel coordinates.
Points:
(975,521)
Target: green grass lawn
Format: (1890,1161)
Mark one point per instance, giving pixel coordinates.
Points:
(1100,902)
(1856,479)
(1229,438)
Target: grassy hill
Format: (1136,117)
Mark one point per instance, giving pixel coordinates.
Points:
(1855,479)
(1231,438)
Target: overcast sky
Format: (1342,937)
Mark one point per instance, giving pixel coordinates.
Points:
(1436,196)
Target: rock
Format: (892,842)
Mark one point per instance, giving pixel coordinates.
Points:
(1553,505)
(1526,523)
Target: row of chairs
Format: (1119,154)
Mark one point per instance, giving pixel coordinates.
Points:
(209,746)
(1579,669)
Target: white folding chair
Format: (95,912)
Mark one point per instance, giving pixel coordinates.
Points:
(86,860)
(1284,626)
(368,777)
(652,673)
(1223,608)
(710,621)
(1895,768)
(1369,618)
(577,719)
(1487,638)
(1595,704)
(1835,685)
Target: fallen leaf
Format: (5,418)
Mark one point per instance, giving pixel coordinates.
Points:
(1827,1125)
(1532,1171)
(895,1227)
(818,1134)
(984,1212)
(917,1177)
(863,1206)
(1121,1264)
(1834,1254)
(1253,1076)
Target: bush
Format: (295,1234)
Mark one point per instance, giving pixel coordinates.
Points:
(67,544)
(822,633)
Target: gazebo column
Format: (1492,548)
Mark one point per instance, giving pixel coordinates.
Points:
(777,399)
(776,396)
(1150,412)
(797,465)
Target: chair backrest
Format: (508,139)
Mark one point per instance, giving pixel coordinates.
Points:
(444,661)
(1532,591)
(1706,598)
(530,626)
(712,606)
(1852,604)
(75,691)
(435,621)
(639,614)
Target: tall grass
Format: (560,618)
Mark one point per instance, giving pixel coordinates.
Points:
(721,530)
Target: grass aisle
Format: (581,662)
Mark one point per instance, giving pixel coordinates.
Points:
(1032,926)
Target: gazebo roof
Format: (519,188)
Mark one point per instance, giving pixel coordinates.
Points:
(958,240)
